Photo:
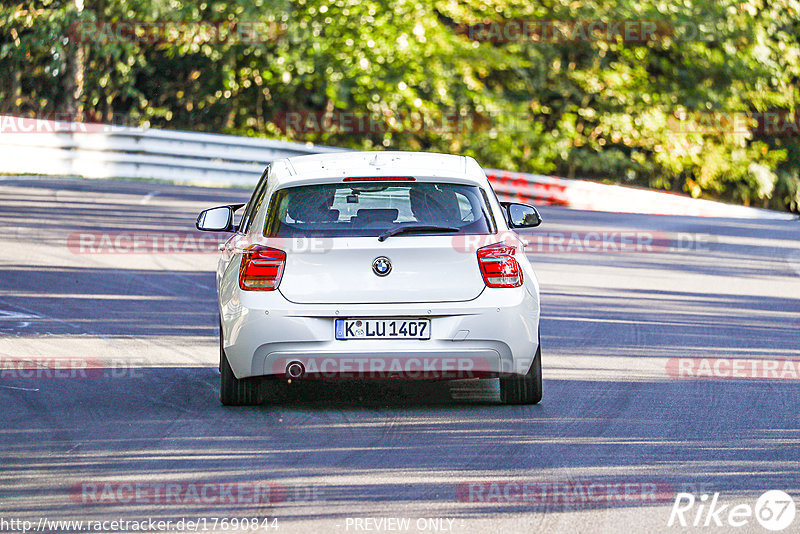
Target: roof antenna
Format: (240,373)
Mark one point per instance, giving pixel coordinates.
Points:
(374,161)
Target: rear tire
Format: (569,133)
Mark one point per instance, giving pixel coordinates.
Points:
(236,391)
(524,389)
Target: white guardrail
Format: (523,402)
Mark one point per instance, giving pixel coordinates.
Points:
(33,146)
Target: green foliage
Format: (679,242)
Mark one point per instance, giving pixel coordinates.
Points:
(644,112)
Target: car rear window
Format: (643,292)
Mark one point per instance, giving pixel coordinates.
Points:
(369,209)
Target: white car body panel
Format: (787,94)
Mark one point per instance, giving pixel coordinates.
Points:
(449,274)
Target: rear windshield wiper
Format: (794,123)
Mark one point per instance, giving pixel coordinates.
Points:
(421,229)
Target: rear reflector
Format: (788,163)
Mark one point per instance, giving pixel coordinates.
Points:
(262,268)
(379,179)
(499,267)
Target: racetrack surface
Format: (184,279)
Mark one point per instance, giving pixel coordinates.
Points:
(620,431)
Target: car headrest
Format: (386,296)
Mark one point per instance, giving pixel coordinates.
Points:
(312,207)
(388,215)
(434,206)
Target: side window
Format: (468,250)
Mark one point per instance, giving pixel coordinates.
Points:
(254,203)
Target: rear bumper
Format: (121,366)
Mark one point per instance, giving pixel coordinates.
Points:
(496,333)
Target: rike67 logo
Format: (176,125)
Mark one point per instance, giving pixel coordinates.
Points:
(774,510)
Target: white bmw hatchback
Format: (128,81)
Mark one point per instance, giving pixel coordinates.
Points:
(376,265)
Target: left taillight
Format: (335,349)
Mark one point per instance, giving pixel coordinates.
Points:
(499,267)
(262,268)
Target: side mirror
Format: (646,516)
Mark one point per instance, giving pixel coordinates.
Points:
(521,215)
(216,219)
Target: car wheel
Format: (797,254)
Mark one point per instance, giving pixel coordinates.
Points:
(524,389)
(236,391)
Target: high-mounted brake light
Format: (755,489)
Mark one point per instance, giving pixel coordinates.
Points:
(379,179)
(262,268)
(498,266)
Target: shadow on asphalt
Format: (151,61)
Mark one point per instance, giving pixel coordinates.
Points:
(340,449)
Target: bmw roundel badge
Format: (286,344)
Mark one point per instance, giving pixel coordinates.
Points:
(381,266)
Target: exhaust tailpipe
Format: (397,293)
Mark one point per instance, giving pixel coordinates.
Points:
(295,370)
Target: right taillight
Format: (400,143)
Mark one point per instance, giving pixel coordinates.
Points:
(499,267)
(262,268)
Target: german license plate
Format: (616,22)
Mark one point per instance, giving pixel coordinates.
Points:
(383,328)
